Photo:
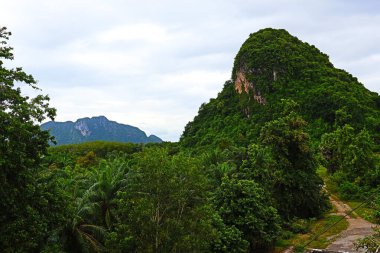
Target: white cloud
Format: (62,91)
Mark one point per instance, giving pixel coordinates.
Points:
(194,83)
(109,62)
(143,33)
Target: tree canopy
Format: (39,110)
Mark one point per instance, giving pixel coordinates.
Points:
(26,203)
(242,173)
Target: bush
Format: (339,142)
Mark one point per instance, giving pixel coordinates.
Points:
(348,190)
(300,226)
(286,234)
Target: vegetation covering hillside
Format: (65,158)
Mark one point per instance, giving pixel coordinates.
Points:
(96,129)
(241,179)
(273,65)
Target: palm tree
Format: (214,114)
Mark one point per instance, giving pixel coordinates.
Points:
(94,194)
(108,178)
(80,234)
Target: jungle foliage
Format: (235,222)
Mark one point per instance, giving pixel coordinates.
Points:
(242,175)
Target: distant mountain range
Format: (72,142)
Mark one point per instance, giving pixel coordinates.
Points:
(96,129)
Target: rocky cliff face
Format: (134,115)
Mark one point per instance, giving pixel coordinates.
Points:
(83,128)
(94,129)
(243,85)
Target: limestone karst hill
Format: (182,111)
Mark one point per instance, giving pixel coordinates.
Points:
(95,129)
(273,65)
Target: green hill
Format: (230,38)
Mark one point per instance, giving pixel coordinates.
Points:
(96,129)
(272,65)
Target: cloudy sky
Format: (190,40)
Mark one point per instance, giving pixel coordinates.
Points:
(151,63)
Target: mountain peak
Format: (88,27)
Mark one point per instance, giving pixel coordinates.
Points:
(269,59)
(273,65)
(94,118)
(101,117)
(94,129)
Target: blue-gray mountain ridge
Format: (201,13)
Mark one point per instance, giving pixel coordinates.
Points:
(96,129)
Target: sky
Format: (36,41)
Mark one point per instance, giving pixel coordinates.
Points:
(152,63)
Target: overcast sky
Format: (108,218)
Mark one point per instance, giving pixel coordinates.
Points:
(152,63)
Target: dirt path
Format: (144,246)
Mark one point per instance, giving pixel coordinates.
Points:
(358,228)
(288,250)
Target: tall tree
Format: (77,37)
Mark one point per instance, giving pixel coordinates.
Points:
(109,178)
(24,211)
(349,152)
(164,206)
(244,204)
(286,165)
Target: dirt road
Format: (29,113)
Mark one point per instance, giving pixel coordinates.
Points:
(358,228)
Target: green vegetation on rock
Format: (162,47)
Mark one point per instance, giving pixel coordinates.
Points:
(273,65)
(96,129)
(242,178)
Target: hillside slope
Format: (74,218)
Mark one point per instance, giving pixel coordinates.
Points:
(96,129)
(272,65)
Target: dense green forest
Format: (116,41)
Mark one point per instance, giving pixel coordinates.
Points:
(242,177)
